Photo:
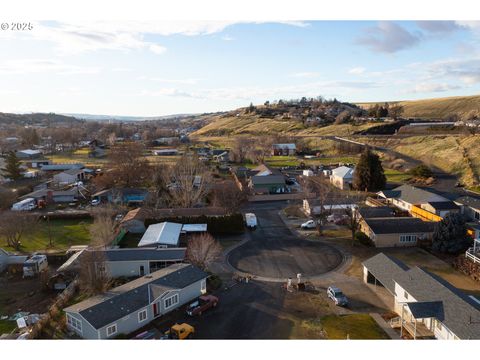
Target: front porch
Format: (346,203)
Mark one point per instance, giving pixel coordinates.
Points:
(417,330)
(417,319)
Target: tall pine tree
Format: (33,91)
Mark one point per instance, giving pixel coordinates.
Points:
(369,175)
(12,168)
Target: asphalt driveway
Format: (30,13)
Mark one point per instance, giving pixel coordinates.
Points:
(272,251)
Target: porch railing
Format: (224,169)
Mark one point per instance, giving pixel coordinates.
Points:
(472,255)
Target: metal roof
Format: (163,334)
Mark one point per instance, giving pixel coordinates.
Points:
(121,301)
(165,233)
(343,172)
(194,227)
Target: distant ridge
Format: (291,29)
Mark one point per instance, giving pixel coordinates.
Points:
(94,117)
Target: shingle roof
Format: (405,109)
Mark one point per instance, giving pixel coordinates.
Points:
(121,301)
(399,225)
(427,309)
(153,254)
(415,195)
(458,312)
(444,205)
(376,212)
(469,201)
(269,179)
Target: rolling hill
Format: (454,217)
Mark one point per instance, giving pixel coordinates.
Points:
(438,108)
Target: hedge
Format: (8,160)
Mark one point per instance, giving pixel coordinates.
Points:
(216,225)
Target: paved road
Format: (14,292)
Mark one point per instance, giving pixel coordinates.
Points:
(274,252)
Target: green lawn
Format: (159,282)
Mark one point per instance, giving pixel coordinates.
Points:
(64,233)
(7,326)
(280,161)
(354,326)
(396,176)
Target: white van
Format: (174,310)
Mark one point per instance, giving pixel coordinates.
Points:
(25,205)
(251,220)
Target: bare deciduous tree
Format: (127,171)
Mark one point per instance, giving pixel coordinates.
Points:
(189,182)
(15,225)
(202,250)
(353,222)
(93,277)
(103,229)
(241,148)
(227,195)
(319,188)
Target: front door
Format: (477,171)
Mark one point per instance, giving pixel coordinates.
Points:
(156,310)
(142,270)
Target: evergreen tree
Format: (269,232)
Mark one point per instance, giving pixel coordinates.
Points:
(12,168)
(369,175)
(450,235)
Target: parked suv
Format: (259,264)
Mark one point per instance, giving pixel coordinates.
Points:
(337,296)
(310,224)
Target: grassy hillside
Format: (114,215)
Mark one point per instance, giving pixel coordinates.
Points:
(221,126)
(451,154)
(437,108)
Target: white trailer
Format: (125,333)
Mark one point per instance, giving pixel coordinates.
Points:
(25,205)
(251,220)
(35,265)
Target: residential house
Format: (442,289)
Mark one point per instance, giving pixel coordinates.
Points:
(270,184)
(134,220)
(49,196)
(36,163)
(165,234)
(441,208)
(133,305)
(406,196)
(284,149)
(396,231)
(126,262)
(165,141)
(470,207)
(127,196)
(29,154)
(220,155)
(342,177)
(165,152)
(314,207)
(61,167)
(69,176)
(427,305)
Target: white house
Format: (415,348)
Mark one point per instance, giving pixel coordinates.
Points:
(70,176)
(133,305)
(342,177)
(406,196)
(427,305)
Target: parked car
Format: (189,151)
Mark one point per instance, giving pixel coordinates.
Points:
(95,202)
(337,296)
(146,335)
(203,303)
(310,224)
(119,217)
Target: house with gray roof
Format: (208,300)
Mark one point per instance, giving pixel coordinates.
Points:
(126,262)
(342,177)
(267,184)
(406,196)
(396,231)
(128,307)
(470,207)
(427,305)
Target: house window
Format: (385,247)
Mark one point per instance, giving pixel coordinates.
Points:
(203,286)
(476,215)
(74,323)
(171,301)
(142,316)
(112,330)
(408,238)
(405,295)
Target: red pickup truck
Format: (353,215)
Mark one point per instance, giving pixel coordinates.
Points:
(203,303)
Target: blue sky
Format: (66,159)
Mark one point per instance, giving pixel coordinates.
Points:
(156,68)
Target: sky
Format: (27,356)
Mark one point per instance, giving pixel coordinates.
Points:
(153,68)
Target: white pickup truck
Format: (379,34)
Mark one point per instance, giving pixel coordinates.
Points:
(251,220)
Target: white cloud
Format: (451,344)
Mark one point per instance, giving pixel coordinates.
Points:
(438,27)
(357,70)
(157,49)
(27,66)
(187,81)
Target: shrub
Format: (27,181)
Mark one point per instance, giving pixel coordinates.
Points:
(214,282)
(363,238)
(421,171)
